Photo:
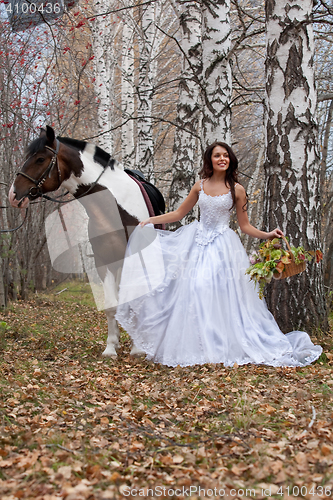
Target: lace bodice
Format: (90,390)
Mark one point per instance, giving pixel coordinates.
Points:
(214,216)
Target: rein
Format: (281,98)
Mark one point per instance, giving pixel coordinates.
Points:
(15,228)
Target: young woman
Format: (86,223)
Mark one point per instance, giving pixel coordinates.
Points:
(184,297)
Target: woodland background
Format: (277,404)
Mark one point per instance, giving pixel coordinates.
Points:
(153,83)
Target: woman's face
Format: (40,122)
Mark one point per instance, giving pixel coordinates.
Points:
(220,159)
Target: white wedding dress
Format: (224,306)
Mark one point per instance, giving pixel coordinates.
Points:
(185,299)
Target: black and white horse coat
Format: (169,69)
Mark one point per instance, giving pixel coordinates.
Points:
(114,205)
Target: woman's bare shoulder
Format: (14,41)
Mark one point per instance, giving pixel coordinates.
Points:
(197,186)
(240,190)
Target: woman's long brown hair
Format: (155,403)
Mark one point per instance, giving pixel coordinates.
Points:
(231,176)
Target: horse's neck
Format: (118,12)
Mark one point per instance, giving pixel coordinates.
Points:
(105,214)
(94,179)
(77,185)
(80,169)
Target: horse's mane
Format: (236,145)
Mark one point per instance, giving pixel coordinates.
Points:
(37,145)
(100,156)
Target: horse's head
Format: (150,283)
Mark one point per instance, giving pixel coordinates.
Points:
(40,173)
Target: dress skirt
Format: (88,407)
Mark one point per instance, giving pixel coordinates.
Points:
(187,302)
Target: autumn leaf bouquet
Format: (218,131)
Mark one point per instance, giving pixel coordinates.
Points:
(272,261)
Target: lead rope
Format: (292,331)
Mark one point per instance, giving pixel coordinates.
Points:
(15,228)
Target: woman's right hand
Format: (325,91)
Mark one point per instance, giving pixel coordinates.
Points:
(145,222)
(276,233)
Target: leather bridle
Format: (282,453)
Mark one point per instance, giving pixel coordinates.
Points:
(36,191)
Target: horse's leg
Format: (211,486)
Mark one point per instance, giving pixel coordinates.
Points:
(112,342)
(111,299)
(111,287)
(136,351)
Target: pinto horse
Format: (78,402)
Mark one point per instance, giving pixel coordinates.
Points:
(84,169)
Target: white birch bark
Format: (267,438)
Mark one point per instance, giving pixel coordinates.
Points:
(145,142)
(292,161)
(217,80)
(186,143)
(127,98)
(103,43)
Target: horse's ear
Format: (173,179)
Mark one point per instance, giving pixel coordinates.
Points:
(42,132)
(50,135)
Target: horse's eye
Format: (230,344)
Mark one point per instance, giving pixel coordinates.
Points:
(40,160)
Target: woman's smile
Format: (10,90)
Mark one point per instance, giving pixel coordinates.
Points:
(220,158)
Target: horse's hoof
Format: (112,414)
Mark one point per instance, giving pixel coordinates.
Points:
(110,353)
(137,353)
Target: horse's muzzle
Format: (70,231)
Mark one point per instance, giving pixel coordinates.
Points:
(22,203)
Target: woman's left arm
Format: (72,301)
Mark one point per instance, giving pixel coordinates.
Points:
(243,219)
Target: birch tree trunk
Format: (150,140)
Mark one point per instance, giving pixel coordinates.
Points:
(145,143)
(127,98)
(328,203)
(103,43)
(292,162)
(255,190)
(186,143)
(3,221)
(217,80)
(2,288)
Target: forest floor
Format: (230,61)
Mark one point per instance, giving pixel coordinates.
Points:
(77,426)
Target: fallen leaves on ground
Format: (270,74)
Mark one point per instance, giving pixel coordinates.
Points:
(77,426)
